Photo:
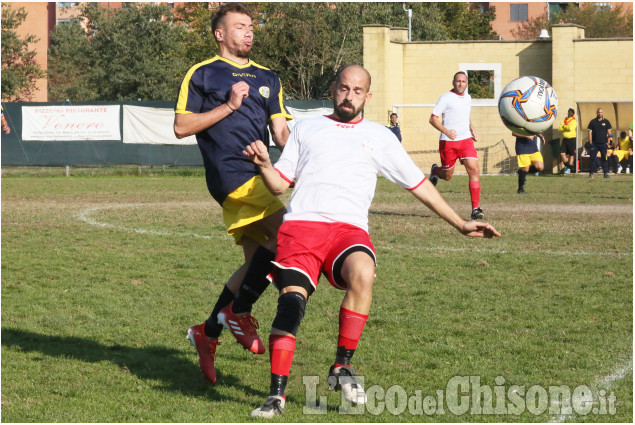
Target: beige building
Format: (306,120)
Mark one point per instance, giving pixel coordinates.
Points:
(409,77)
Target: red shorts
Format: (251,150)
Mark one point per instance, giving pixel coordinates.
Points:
(451,150)
(313,247)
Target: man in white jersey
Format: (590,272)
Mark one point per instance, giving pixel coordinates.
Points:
(334,161)
(451,116)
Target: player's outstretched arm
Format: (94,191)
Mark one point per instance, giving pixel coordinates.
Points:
(432,199)
(257,152)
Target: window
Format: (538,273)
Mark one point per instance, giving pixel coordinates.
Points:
(518,12)
(603,6)
(484,82)
(481,84)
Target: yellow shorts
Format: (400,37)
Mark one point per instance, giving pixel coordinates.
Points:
(621,154)
(249,203)
(527,160)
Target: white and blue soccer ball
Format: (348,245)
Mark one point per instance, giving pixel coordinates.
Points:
(528,105)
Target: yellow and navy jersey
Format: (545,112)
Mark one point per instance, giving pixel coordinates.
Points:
(208,85)
(526,145)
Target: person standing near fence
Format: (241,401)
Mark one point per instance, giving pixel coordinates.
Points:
(569,146)
(227,102)
(528,154)
(599,136)
(394,126)
(451,116)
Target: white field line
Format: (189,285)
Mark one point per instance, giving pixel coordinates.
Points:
(85,216)
(604,383)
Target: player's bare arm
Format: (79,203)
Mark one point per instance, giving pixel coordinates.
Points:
(431,198)
(279,131)
(473,131)
(436,123)
(258,154)
(189,124)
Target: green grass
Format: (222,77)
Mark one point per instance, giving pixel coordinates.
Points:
(104,271)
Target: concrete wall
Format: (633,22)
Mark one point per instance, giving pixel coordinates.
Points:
(409,77)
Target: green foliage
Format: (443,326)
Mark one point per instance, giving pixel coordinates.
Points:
(598,22)
(137,53)
(20,71)
(305,43)
(200,43)
(70,64)
(133,53)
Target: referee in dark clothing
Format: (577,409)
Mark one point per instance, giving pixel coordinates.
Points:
(599,136)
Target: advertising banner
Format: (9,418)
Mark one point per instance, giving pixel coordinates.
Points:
(81,122)
(155,126)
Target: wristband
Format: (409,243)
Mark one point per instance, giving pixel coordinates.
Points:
(230,108)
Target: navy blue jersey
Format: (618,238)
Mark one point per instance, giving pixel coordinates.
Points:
(526,145)
(600,130)
(208,85)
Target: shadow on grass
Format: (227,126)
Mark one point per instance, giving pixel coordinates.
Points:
(148,363)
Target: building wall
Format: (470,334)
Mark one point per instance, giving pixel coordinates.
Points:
(40,19)
(503,26)
(409,77)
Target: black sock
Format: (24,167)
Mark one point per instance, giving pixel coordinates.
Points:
(278,384)
(343,356)
(255,281)
(212,327)
(522,176)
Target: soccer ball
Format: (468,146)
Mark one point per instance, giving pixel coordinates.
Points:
(528,105)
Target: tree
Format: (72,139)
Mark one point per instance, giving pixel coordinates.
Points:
(70,63)
(305,43)
(599,22)
(126,54)
(20,71)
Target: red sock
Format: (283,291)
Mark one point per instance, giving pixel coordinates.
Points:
(475,193)
(281,349)
(351,328)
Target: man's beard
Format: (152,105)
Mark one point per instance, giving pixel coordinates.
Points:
(344,114)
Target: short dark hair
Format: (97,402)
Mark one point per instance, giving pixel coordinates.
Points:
(395,114)
(223,10)
(571,110)
(458,73)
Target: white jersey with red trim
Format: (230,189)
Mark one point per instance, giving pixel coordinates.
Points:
(334,166)
(454,111)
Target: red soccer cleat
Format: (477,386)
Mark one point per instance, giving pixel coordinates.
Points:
(205,349)
(243,326)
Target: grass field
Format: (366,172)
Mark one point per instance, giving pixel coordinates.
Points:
(103,273)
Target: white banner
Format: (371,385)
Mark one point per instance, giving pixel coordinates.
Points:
(81,122)
(143,124)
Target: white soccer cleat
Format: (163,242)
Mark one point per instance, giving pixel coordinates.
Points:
(274,406)
(343,378)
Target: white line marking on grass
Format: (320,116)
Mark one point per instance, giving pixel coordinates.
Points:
(604,383)
(495,251)
(84,216)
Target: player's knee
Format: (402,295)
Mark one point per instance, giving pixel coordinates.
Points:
(360,279)
(291,307)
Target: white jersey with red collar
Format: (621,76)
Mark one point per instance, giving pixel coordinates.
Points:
(454,110)
(334,166)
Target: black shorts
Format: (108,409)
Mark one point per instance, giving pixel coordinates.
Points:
(568,146)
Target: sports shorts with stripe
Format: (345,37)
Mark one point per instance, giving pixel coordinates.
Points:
(312,247)
(451,150)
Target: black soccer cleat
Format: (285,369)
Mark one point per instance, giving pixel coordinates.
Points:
(477,214)
(434,179)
